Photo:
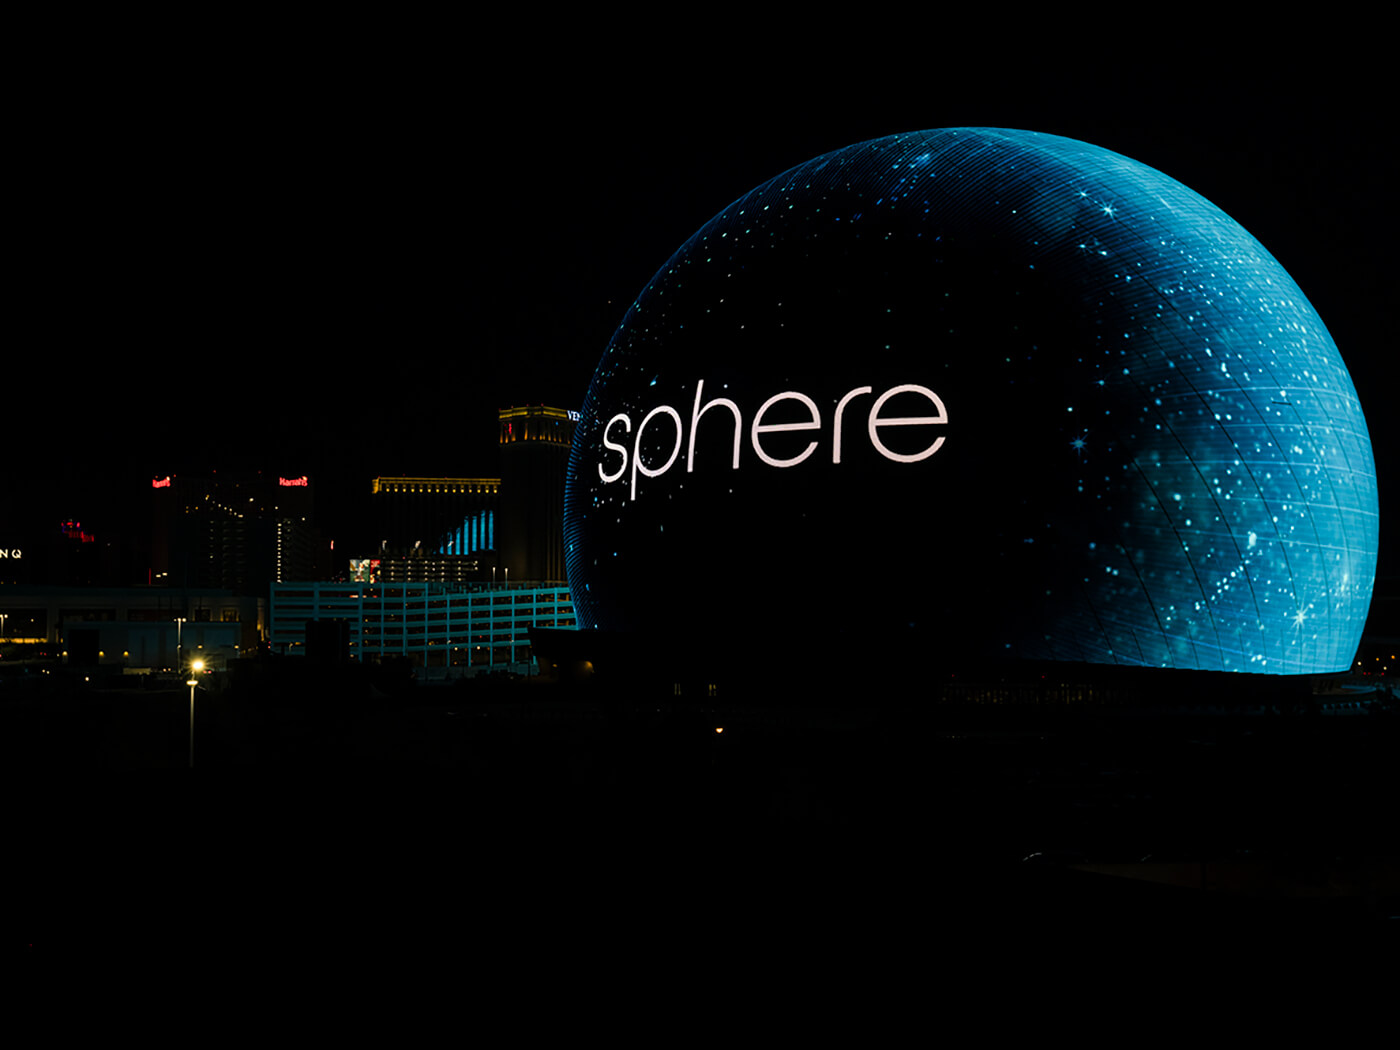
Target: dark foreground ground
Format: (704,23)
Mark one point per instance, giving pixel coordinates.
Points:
(514,815)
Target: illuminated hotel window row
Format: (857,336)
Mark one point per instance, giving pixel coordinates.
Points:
(486,486)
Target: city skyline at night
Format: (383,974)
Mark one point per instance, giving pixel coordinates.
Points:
(267,269)
(362,300)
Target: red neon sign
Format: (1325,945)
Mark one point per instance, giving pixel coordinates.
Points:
(161,483)
(74,531)
(288,483)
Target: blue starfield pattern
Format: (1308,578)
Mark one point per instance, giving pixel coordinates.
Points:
(1154,453)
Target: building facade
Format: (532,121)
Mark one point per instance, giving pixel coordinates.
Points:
(136,627)
(506,529)
(459,629)
(449,516)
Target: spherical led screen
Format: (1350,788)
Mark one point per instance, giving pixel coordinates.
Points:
(1018,393)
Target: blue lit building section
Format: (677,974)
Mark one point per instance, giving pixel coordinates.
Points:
(1154,453)
(476,533)
(433,624)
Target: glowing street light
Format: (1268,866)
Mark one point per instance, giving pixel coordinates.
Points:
(195,667)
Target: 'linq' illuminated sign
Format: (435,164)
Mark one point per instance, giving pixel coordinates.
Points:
(758,428)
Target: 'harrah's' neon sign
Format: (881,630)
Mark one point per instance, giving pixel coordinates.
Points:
(293,483)
(758,428)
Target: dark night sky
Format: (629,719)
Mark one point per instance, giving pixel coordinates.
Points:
(344,266)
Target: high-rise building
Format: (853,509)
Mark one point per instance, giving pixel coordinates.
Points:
(465,529)
(435,515)
(234,531)
(535,444)
(440,529)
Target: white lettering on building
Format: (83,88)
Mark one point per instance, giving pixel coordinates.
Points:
(758,428)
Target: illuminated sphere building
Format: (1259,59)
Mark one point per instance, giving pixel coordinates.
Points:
(1014,393)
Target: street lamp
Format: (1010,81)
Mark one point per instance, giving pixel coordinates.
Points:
(179,630)
(195,667)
